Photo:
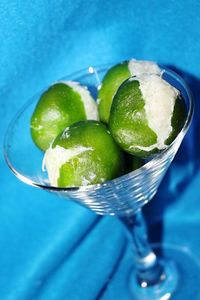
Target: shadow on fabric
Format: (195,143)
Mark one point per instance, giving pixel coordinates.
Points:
(183,169)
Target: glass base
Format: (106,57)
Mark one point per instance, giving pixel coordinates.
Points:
(180,280)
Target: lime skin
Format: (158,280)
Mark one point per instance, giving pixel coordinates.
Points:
(58,107)
(99,159)
(126,130)
(110,83)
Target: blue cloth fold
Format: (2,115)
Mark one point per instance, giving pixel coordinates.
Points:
(53,248)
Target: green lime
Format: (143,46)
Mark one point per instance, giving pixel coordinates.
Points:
(147,114)
(61,105)
(114,78)
(84,153)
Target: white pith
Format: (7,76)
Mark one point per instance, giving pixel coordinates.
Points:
(89,103)
(160,98)
(138,67)
(54,158)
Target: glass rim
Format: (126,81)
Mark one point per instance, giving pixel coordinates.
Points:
(121,178)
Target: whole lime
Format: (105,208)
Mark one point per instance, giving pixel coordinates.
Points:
(147,114)
(84,153)
(61,105)
(114,78)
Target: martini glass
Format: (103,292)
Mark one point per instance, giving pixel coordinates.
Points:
(153,277)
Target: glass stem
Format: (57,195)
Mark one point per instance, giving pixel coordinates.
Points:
(149,269)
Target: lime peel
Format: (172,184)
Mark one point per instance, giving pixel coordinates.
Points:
(55,157)
(90,105)
(160,98)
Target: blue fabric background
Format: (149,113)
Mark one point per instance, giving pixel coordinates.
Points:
(51,249)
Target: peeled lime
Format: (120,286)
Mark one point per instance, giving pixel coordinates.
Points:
(147,114)
(84,153)
(61,105)
(114,78)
